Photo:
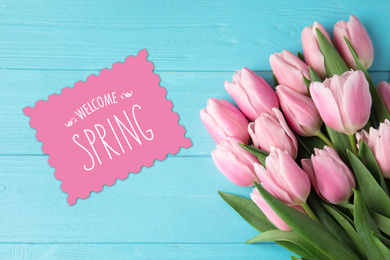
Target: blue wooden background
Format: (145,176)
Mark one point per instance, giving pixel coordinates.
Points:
(171,210)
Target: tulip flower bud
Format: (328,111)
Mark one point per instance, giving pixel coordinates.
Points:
(384,92)
(357,35)
(222,119)
(235,162)
(311,48)
(330,177)
(268,211)
(284,178)
(300,112)
(344,102)
(252,94)
(289,70)
(271,130)
(379,142)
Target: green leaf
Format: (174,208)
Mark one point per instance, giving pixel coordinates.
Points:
(289,236)
(249,211)
(344,211)
(365,226)
(368,158)
(345,222)
(314,75)
(260,154)
(307,82)
(377,102)
(309,143)
(382,222)
(303,152)
(328,221)
(340,142)
(334,64)
(382,244)
(382,248)
(300,55)
(309,229)
(275,80)
(377,200)
(382,239)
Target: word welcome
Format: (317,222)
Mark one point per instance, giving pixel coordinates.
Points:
(97,103)
(97,137)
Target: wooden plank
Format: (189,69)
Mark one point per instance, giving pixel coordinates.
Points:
(180,35)
(143,251)
(174,201)
(189,92)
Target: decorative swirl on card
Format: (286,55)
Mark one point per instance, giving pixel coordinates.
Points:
(70,123)
(114,134)
(126,95)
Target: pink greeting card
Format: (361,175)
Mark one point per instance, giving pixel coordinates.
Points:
(107,127)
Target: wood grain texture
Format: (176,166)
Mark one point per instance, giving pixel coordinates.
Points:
(171,210)
(142,251)
(179,35)
(174,201)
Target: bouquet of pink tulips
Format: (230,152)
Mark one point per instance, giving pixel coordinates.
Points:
(317,149)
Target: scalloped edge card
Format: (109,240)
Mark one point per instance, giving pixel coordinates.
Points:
(106,127)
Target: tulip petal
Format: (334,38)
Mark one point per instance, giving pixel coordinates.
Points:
(260,94)
(292,143)
(307,166)
(384,92)
(356,104)
(267,179)
(296,62)
(286,74)
(232,168)
(293,178)
(340,31)
(251,131)
(311,49)
(332,184)
(242,100)
(268,212)
(383,149)
(326,105)
(229,118)
(211,125)
(246,157)
(300,112)
(361,41)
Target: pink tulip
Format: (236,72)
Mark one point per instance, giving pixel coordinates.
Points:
(268,211)
(222,119)
(379,142)
(311,48)
(344,102)
(384,92)
(300,112)
(284,178)
(235,162)
(289,70)
(330,177)
(357,35)
(271,130)
(252,93)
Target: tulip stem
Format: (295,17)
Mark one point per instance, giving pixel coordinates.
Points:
(325,139)
(310,212)
(353,144)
